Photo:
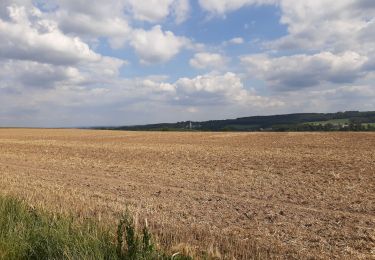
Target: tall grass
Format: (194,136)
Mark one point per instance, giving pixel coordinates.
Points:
(26,233)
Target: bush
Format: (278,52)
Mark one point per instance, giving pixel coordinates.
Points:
(131,245)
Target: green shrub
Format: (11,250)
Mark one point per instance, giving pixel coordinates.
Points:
(131,245)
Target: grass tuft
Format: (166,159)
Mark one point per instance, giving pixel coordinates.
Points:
(26,233)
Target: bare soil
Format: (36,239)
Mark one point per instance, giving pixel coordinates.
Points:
(242,195)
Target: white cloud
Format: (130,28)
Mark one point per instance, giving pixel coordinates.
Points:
(206,60)
(157,86)
(237,40)
(342,98)
(68,24)
(93,20)
(151,10)
(192,110)
(204,90)
(98,18)
(219,89)
(227,83)
(181,10)
(156,10)
(155,45)
(19,73)
(319,24)
(50,66)
(221,7)
(26,36)
(101,72)
(34,53)
(315,25)
(300,71)
(27,75)
(88,25)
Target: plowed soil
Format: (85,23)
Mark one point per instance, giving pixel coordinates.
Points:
(286,195)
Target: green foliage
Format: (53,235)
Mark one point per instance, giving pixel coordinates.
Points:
(26,233)
(341,121)
(128,242)
(132,246)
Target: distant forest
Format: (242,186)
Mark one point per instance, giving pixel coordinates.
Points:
(341,121)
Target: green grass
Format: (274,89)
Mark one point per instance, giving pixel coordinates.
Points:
(366,124)
(26,233)
(333,122)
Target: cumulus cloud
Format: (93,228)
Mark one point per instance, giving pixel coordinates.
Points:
(314,24)
(328,99)
(157,10)
(338,37)
(212,88)
(113,18)
(300,71)
(51,65)
(27,75)
(90,26)
(36,56)
(221,7)
(20,73)
(237,40)
(181,10)
(206,60)
(227,83)
(90,21)
(156,86)
(102,72)
(318,24)
(99,18)
(26,36)
(151,11)
(155,45)
(34,52)
(219,89)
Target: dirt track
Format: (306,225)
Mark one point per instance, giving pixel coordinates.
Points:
(298,194)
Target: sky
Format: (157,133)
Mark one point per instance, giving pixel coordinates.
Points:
(70,63)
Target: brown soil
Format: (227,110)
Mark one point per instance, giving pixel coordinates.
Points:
(243,195)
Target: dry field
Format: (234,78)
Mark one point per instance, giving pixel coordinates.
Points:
(289,195)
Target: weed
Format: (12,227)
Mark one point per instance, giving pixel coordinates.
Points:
(26,233)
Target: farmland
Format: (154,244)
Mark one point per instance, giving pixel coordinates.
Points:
(227,194)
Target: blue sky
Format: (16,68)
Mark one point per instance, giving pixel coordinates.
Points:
(257,23)
(121,62)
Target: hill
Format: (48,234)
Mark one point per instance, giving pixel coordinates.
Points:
(340,121)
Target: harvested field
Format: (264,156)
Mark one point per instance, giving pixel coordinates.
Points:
(231,194)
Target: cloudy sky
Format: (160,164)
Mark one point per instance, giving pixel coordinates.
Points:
(119,62)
